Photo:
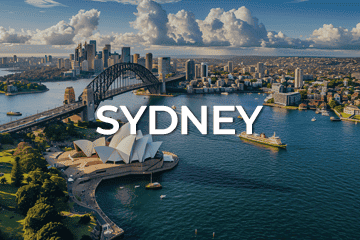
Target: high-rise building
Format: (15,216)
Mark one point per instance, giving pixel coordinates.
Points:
(67,63)
(85,66)
(125,55)
(298,78)
(72,57)
(197,70)
(174,65)
(164,66)
(90,55)
(15,59)
(260,67)
(136,57)
(230,67)
(204,70)
(105,55)
(93,42)
(49,59)
(4,60)
(59,63)
(108,47)
(149,61)
(141,61)
(98,64)
(190,69)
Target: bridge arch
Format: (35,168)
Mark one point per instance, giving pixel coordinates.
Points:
(101,84)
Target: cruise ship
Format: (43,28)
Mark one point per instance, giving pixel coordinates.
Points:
(272,141)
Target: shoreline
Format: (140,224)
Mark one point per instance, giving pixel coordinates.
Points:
(83,190)
(21,93)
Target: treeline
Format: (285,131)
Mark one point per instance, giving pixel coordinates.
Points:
(23,87)
(42,74)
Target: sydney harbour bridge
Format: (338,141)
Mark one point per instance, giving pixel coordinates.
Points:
(113,81)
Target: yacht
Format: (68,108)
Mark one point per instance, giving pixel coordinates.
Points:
(313,119)
(152,185)
(225,93)
(163,196)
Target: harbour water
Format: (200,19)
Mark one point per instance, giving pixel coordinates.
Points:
(237,189)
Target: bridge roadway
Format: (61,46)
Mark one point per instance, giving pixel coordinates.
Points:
(40,118)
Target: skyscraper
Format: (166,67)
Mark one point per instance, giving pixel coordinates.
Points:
(125,55)
(71,57)
(190,69)
(90,55)
(15,59)
(298,78)
(230,67)
(204,70)
(136,57)
(164,66)
(148,62)
(93,42)
(108,47)
(105,55)
(260,67)
(197,70)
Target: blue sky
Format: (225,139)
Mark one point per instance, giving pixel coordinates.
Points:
(295,20)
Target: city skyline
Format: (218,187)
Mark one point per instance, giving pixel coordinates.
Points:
(183,27)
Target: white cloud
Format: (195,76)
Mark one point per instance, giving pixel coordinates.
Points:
(81,26)
(44,3)
(11,36)
(137,2)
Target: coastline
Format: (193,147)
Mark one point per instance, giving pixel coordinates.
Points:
(20,93)
(83,190)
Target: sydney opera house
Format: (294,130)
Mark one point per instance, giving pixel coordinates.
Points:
(123,147)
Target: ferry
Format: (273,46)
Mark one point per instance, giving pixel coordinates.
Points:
(334,119)
(272,141)
(225,93)
(14,113)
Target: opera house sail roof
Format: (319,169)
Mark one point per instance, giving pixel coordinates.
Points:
(123,147)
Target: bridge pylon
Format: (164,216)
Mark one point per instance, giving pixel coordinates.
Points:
(88,100)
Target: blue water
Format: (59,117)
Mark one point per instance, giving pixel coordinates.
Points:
(238,190)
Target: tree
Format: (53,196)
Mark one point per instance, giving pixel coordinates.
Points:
(3,180)
(26,197)
(333,104)
(85,219)
(303,94)
(5,138)
(85,237)
(16,173)
(39,215)
(268,85)
(54,231)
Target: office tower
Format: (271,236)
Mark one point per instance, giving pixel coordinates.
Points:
(108,47)
(141,61)
(204,70)
(45,59)
(149,61)
(49,59)
(93,42)
(90,55)
(59,63)
(260,67)
(136,57)
(164,66)
(98,64)
(298,78)
(77,52)
(85,66)
(15,59)
(125,55)
(72,57)
(105,55)
(190,69)
(4,60)
(67,63)
(197,70)
(230,67)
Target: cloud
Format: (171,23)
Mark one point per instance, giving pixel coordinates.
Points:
(80,27)
(44,3)
(10,36)
(137,2)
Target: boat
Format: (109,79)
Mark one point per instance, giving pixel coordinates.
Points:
(173,107)
(14,113)
(272,141)
(317,111)
(154,185)
(325,113)
(334,119)
(137,186)
(163,196)
(225,93)
(313,119)
(240,117)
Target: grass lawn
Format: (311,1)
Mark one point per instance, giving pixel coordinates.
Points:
(357,117)
(72,223)
(344,115)
(11,224)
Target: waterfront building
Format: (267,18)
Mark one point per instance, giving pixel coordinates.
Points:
(123,147)
(230,67)
(149,61)
(298,78)
(204,70)
(287,99)
(190,69)
(125,55)
(352,110)
(136,57)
